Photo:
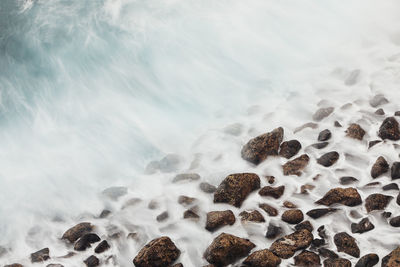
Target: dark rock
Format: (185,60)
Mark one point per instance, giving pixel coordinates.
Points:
(289,205)
(386,214)
(289,148)
(253,216)
(395,221)
(226,249)
(307,258)
(296,166)
(378,100)
(102,246)
(104,214)
(347,244)
(392,259)
(162,216)
(41,255)
(337,124)
(311,125)
(270,179)
(177,265)
(191,214)
(321,232)
(235,188)
(317,242)
(372,184)
(293,216)
(395,170)
(268,209)
(355,131)
(74,233)
(320,145)
(304,225)
(92,261)
(217,219)
(159,252)
(259,148)
(84,242)
(185,200)
(328,159)
(339,262)
(368,260)
(372,143)
(397,113)
(273,231)
(316,213)
(380,112)
(327,253)
(322,113)
(286,246)
(377,202)
(389,129)
(186,177)
(324,135)
(391,186)
(207,188)
(346,196)
(380,167)
(262,258)
(269,191)
(363,226)
(346,180)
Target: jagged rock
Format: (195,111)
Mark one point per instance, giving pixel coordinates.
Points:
(327,253)
(307,258)
(253,216)
(85,241)
(162,216)
(102,246)
(395,170)
(316,213)
(207,188)
(217,219)
(347,244)
(226,249)
(339,262)
(293,216)
(322,113)
(372,143)
(311,125)
(395,221)
(368,260)
(296,166)
(191,214)
(363,226)
(268,209)
(260,147)
(115,192)
(262,258)
(186,201)
(289,148)
(355,131)
(186,177)
(377,202)
(391,186)
(286,246)
(177,265)
(159,252)
(317,242)
(346,196)
(269,191)
(378,100)
(289,205)
(320,145)
(104,214)
(273,231)
(235,188)
(346,180)
(328,159)
(389,129)
(92,261)
(41,255)
(392,259)
(74,233)
(380,167)
(304,225)
(324,135)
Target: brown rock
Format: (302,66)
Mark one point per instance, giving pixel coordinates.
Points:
(392,259)
(328,159)
(296,166)
(226,249)
(317,213)
(74,233)
(324,135)
(14,265)
(339,262)
(217,219)
(262,258)
(306,187)
(235,188)
(207,188)
(85,241)
(259,148)
(304,225)
(355,131)
(389,129)
(268,209)
(380,167)
(253,216)
(185,200)
(177,265)
(326,253)
(92,261)
(307,258)
(377,202)
(372,143)
(273,231)
(286,246)
(160,252)
(363,226)
(270,179)
(346,196)
(346,180)
(322,113)
(269,191)
(347,244)
(289,148)
(320,145)
(368,260)
(293,216)
(41,255)
(378,100)
(289,205)
(102,246)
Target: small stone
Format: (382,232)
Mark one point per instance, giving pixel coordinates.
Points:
(306,187)
(322,113)
(294,216)
(115,192)
(102,246)
(177,265)
(269,191)
(386,214)
(289,205)
(190,214)
(368,260)
(74,233)
(185,200)
(377,202)
(304,225)
(395,170)
(328,159)
(378,100)
(372,143)
(153,204)
(372,184)
(389,129)
(273,231)
(321,232)
(327,253)
(355,131)
(363,226)
(162,217)
(391,186)
(92,261)
(337,124)
(380,112)
(317,213)
(311,125)
(395,221)
(268,209)
(320,145)
(339,262)
(253,216)
(324,135)
(346,196)
(104,214)
(186,177)
(41,255)
(207,188)
(397,113)
(307,258)
(380,167)
(347,244)
(158,252)
(289,148)
(84,242)
(317,242)
(286,246)
(217,219)
(54,265)
(346,180)
(270,179)
(296,166)
(392,259)
(262,258)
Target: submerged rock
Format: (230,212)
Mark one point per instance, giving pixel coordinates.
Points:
(392,259)
(185,200)
(186,177)
(273,231)
(389,129)
(347,244)
(293,216)
(395,171)
(328,159)
(115,192)
(102,246)
(307,258)
(253,216)
(162,216)
(289,148)
(286,246)
(41,255)
(262,258)
(355,131)
(380,167)
(322,113)
(346,180)
(378,100)
(320,145)
(217,219)
(368,260)
(207,188)
(377,202)
(74,233)
(363,226)
(159,252)
(372,143)
(317,213)
(85,241)
(270,191)
(346,196)
(311,125)
(296,166)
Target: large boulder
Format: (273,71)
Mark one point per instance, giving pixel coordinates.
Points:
(389,129)
(262,258)
(346,196)
(286,246)
(160,252)
(368,260)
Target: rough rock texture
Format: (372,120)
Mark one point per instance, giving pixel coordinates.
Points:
(162,216)
(328,159)
(273,231)
(269,191)
(391,186)
(268,209)
(378,100)
(355,131)
(260,147)
(316,213)
(395,170)
(326,253)
(74,233)
(363,226)
(296,166)
(217,219)
(347,244)
(85,241)
(253,216)
(286,246)
(339,262)
(380,167)
(346,196)
(289,205)
(262,258)
(307,258)
(41,255)
(324,135)
(322,113)
(368,260)
(160,252)
(289,148)
(392,259)
(226,249)
(92,261)
(236,187)
(389,129)
(293,216)
(377,202)
(102,246)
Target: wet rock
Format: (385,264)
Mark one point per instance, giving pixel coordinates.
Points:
(286,246)
(217,219)
(177,265)
(317,242)
(392,259)
(347,244)
(115,192)
(389,129)
(322,113)
(321,232)
(92,261)
(260,147)
(372,143)
(253,216)
(363,226)
(186,201)
(311,125)
(191,214)
(226,249)
(296,166)
(131,202)
(391,186)
(207,188)
(377,202)
(14,265)
(289,205)
(289,148)
(355,131)
(85,241)
(316,213)
(380,167)
(268,209)
(307,258)
(378,100)
(337,124)
(41,255)
(372,184)
(346,180)
(159,252)
(339,262)
(368,260)
(380,112)
(273,231)
(395,170)
(186,177)
(104,214)
(102,246)
(304,225)
(324,135)
(304,189)
(346,196)
(395,221)
(328,159)
(327,253)
(162,217)
(74,233)
(235,188)
(269,191)
(262,258)
(270,179)
(294,216)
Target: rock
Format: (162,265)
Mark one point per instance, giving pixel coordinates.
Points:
(186,201)
(226,249)
(307,258)
(337,124)
(355,131)
(84,242)
(289,148)
(395,170)
(273,231)
(217,219)
(377,202)
(346,180)
(294,216)
(104,214)
(347,244)
(162,216)
(324,135)
(269,191)
(74,233)
(191,214)
(253,216)
(339,262)
(378,100)
(296,166)
(260,147)
(159,252)
(115,192)
(270,179)
(363,226)
(320,145)
(391,186)
(316,213)
(186,177)
(397,113)
(322,113)
(392,259)
(372,143)
(368,260)
(131,202)
(306,187)
(207,188)
(304,225)
(389,129)
(386,214)
(170,163)
(286,246)
(380,167)
(395,221)
(346,196)
(41,255)
(327,253)
(311,125)
(102,246)
(328,159)
(14,265)
(92,261)
(235,188)
(289,205)
(321,232)
(262,258)
(54,265)
(380,112)
(268,209)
